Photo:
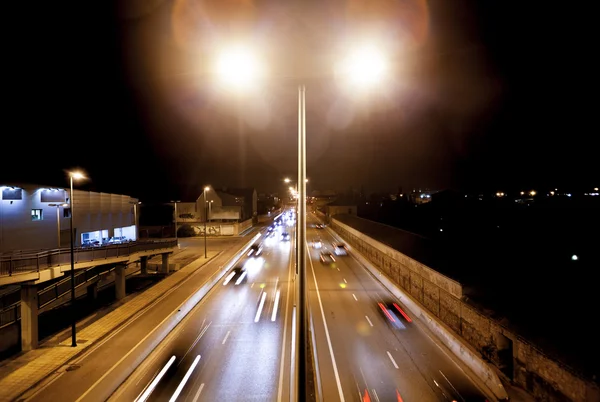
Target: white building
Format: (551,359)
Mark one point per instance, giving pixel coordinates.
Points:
(37,217)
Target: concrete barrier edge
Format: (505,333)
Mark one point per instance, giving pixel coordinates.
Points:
(470,358)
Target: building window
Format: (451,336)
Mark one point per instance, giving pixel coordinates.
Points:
(37,214)
(66,212)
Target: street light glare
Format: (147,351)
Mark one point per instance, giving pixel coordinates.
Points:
(238,67)
(364,66)
(207,188)
(77,175)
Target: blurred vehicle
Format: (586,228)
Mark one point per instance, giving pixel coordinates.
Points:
(340,249)
(394,313)
(317,243)
(240,275)
(255,250)
(270,229)
(327,257)
(285,236)
(319,226)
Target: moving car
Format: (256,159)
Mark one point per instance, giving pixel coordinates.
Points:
(340,249)
(319,226)
(327,257)
(317,243)
(285,236)
(255,250)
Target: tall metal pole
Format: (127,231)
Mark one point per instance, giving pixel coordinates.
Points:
(302,321)
(175,212)
(205,219)
(58,225)
(73,310)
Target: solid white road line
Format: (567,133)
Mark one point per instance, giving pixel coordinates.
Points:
(260,306)
(196,340)
(345,281)
(370,323)
(392,359)
(154,382)
(287,301)
(274,315)
(225,339)
(335,369)
(353,295)
(186,377)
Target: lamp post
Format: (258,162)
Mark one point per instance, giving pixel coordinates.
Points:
(76,176)
(365,66)
(206,190)
(58,220)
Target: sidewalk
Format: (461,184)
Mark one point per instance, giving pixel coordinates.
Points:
(27,369)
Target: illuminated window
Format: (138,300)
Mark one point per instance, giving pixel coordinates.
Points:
(37,214)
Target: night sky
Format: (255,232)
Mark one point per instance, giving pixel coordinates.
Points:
(483,97)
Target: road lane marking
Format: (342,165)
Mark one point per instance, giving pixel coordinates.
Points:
(225,339)
(345,281)
(260,307)
(154,382)
(197,339)
(198,393)
(287,303)
(335,369)
(185,379)
(353,295)
(448,381)
(370,323)
(392,359)
(338,269)
(274,315)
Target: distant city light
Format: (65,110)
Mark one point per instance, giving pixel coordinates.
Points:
(522,192)
(595,188)
(574,257)
(532,193)
(551,192)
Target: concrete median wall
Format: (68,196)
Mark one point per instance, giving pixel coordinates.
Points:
(473,337)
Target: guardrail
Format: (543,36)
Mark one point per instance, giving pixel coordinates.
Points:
(22,263)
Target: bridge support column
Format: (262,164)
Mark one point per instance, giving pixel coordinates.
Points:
(92,291)
(144,265)
(29,317)
(120,281)
(165,264)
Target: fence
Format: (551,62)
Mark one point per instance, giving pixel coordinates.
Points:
(24,262)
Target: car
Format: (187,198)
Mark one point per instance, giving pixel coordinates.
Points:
(319,226)
(317,243)
(340,249)
(255,250)
(327,257)
(285,236)
(396,315)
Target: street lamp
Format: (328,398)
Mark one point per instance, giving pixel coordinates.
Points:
(364,67)
(58,220)
(76,176)
(206,190)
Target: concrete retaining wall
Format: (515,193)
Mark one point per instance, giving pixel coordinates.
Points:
(472,336)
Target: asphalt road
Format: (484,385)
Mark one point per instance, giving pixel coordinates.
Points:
(230,346)
(366,353)
(93,376)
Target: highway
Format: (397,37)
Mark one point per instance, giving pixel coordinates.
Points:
(230,346)
(366,353)
(235,344)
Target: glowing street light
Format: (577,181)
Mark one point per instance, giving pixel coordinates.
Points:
(364,67)
(238,67)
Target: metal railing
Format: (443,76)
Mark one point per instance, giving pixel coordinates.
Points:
(23,262)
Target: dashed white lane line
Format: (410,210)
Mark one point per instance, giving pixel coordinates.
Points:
(392,359)
(353,295)
(225,339)
(370,323)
